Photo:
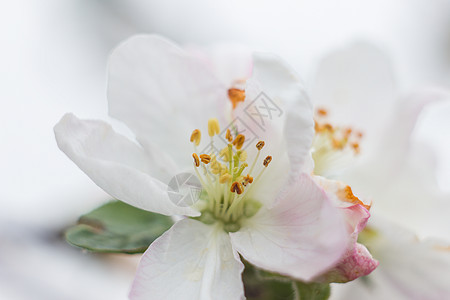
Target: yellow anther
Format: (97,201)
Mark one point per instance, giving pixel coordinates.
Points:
(228,135)
(337,144)
(242,155)
(236,96)
(213,127)
(196,137)
(216,167)
(225,154)
(196,159)
(260,145)
(322,112)
(239,141)
(247,179)
(267,161)
(348,132)
(205,158)
(355,147)
(327,127)
(225,178)
(237,188)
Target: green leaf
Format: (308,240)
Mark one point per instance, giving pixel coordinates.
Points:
(264,285)
(313,290)
(118,228)
(261,285)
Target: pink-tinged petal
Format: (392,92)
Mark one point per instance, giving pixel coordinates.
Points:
(162,93)
(409,268)
(356,262)
(301,236)
(356,84)
(356,217)
(190,261)
(355,211)
(117,165)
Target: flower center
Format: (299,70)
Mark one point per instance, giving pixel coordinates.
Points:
(332,146)
(227,178)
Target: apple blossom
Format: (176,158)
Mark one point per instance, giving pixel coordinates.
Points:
(355,94)
(255,201)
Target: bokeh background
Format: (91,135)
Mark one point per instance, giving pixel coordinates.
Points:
(53,60)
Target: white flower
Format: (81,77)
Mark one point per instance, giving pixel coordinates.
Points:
(355,89)
(275,217)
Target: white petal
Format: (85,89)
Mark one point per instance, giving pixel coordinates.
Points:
(115,164)
(190,261)
(401,177)
(283,86)
(299,132)
(162,93)
(231,63)
(357,85)
(396,138)
(390,147)
(302,236)
(277,111)
(409,268)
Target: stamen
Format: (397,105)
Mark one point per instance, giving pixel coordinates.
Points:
(332,144)
(225,154)
(236,96)
(322,112)
(242,155)
(267,161)
(228,136)
(230,156)
(224,184)
(328,127)
(225,178)
(237,188)
(260,145)
(239,141)
(213,127)
(348,132)
(205,158)
(247,179)
(337,144)
(196,159)
(196,136)
(355,147)
(216,167)
(241,169)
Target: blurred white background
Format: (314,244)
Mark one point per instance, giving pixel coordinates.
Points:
(53,60)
